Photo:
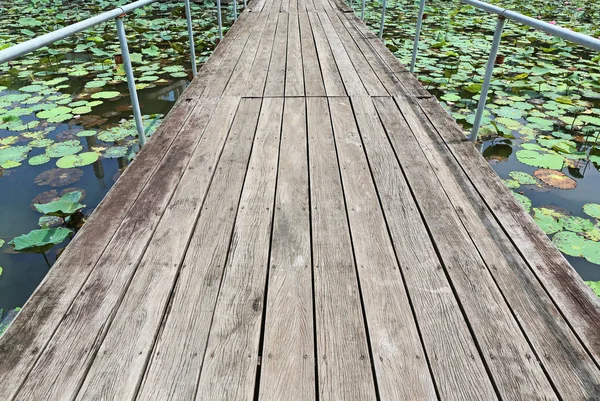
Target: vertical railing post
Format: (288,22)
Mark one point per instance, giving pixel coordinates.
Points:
(382,19)
(137,113)
(413,61)
(362,10)
(245,4)
(487,79)
(219,21)
(188,15)
(235,10)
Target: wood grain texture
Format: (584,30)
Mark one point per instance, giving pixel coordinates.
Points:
(505,349)
(255,86)
(453,356)
(29,333)
(294,76)
(121,361)
(343,361)
(288,361)
(398,354)
(230,362)
(62,366)
(331,76)
(275,84)
(313,79)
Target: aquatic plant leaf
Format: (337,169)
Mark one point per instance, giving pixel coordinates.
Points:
(38,160)
(555,179)
(540,159)
(57,177)
(525,201)
(80,160)
(54,112)
(115,152)
(39,241)
(13,154)
(523,178)
(569,243)
(66,148)
(65,206)
(41,143)
(50,221)
(106,95)
(115,134)
(595,286)
(85,133)
(95,84)
(511,184)
(592,209)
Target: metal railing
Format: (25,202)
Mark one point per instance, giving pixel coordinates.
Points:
(503,14)
(118,15)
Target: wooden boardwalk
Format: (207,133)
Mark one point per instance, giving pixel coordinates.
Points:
(307,224)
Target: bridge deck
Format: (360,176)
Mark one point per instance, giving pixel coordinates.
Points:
(307,224)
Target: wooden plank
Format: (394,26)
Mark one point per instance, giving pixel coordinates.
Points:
(177,356)
(352,82)
(62,366)
(455,362)
(313,80)
(29,333)
(331,76)
(288,362)
(256,6)
(398,354)
(241,73)
(218,79)
(310,5)
(121,361)
(231,358)
(571,369)
(275,85)
(293,6)
(387,77)
(285,6)
(504,347)
(258,74)
(371,82)
(276,6)
(343,360)
(294,77)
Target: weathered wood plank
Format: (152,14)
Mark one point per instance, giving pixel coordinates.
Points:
(504,347)
(398,354)
(121,361)
(275,85)
(343,360)
(452,354)
(288,362)
(177,356)
(313,79)
(26,338)
(230,362)
(352,82)
(241,74)
(371,82)
(331,76)
(258,74)
(294,76)
(62,366)
(551,337)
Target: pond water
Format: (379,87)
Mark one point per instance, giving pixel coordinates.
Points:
(66,125)
(542,122)
(75,94)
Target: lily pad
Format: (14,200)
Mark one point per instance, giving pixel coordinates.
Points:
(523,178)
(67,205)
(108,95)
(592,209)
(54,112)
(59,177)
(66,148)
(547,221)
(39,241)
(39,159)
(80,160)
(115,152)
(570,243)
(525,201)
(540,159)
(50,221)
(595,286)
(85,133)
(555,179)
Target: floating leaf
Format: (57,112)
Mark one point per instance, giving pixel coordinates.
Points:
(595,286)
(50,221)
(65,206)
(80,160)
(59,177)
(523,178)
(85,133)
(39,241)
(592,209)
(106,95)
(555,179)
(14,154)
(39,159)
(525,201)
(66,148)
(116,152)
(547,221)
(540,159)
(54,112)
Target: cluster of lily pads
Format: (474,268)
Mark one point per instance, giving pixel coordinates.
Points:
(544,104)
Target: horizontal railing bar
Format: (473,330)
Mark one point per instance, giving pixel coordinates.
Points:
(567,34)
(36,43)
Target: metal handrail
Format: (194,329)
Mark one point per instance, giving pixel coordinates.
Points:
(503,14)
(117,14)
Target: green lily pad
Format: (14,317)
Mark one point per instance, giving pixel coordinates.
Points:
(54,112)
(50,221)
(525,201)
(86,133)
(523,178)
(13,154)
(95,84)
(576,224)
(595,286)
(106,95)
(541,159)
(39,159)
(82,159)
(592,209)
(41,240)
(66,148)
(41,143)
(115,152)
(548,223)
(65,206)
(569,243)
